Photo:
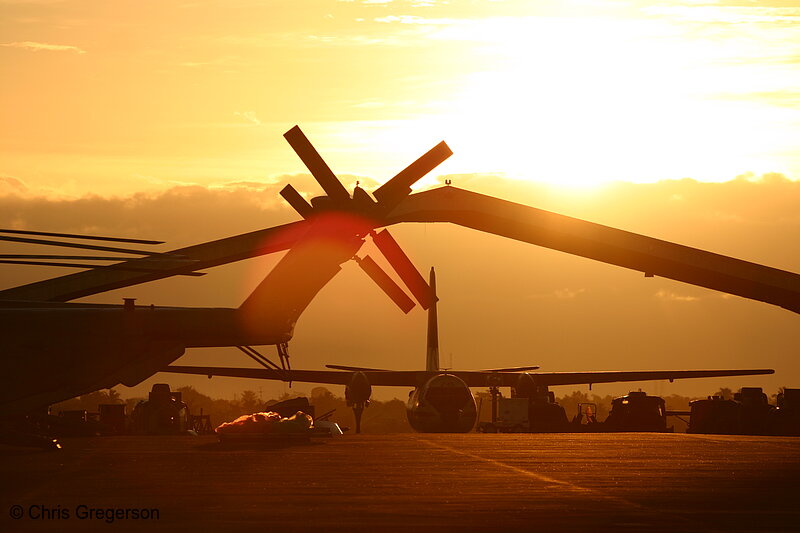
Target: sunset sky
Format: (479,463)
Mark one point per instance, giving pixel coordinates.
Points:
(678,120)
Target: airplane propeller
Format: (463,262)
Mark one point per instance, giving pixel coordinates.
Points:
(374,210)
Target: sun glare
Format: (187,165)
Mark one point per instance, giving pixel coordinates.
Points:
(583,102)
(573,93)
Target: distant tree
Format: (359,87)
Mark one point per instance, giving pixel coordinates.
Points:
(603,405)
(219,410)
(774,397)
(675,402)
(570,402)
(249,402)
(87,402)
(322,394)
(194,399)
(725,393)
(113,396)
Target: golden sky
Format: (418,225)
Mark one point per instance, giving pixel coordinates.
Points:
(165,120)
(124,96)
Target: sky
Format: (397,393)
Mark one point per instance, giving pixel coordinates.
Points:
(677,120)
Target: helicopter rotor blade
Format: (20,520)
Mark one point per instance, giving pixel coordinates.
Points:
(386,284)
(316,165)
(404,267)
(81,246)
(390,193)
(296,200)
(79,236)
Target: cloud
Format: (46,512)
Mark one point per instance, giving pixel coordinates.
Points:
(564,293)
(9,184)
(32,2)
(754,218)
(305,39)
(372,104)
(674,297)
(37,47)
(251,185)
(568,294)
(413,19)
(728,14)
(181,215)
(789,98)
(367,2)
(249,116)
(357,40)
(186,213)
(194,64)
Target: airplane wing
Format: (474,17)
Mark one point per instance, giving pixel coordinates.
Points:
(398,378)
(387,378)
(473,378)
(581,378)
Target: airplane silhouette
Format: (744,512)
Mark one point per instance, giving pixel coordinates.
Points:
(441,401)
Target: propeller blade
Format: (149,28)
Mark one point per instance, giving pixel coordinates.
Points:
(296,200)
(387,284)
(404,267)
(316,165)
(390,193)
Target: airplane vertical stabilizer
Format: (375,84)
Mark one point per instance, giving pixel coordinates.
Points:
(432,361)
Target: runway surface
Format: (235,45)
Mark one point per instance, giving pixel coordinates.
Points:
(410,482)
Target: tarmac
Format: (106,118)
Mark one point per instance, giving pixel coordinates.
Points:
(408,482)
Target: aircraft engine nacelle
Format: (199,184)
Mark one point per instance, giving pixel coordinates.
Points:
(525,387)
(444,404)
(358,391)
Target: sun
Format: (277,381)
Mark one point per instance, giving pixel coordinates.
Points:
(580,103)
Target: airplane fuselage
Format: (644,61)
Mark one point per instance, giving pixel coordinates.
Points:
(443,404)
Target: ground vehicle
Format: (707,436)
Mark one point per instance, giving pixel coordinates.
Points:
(637,412)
